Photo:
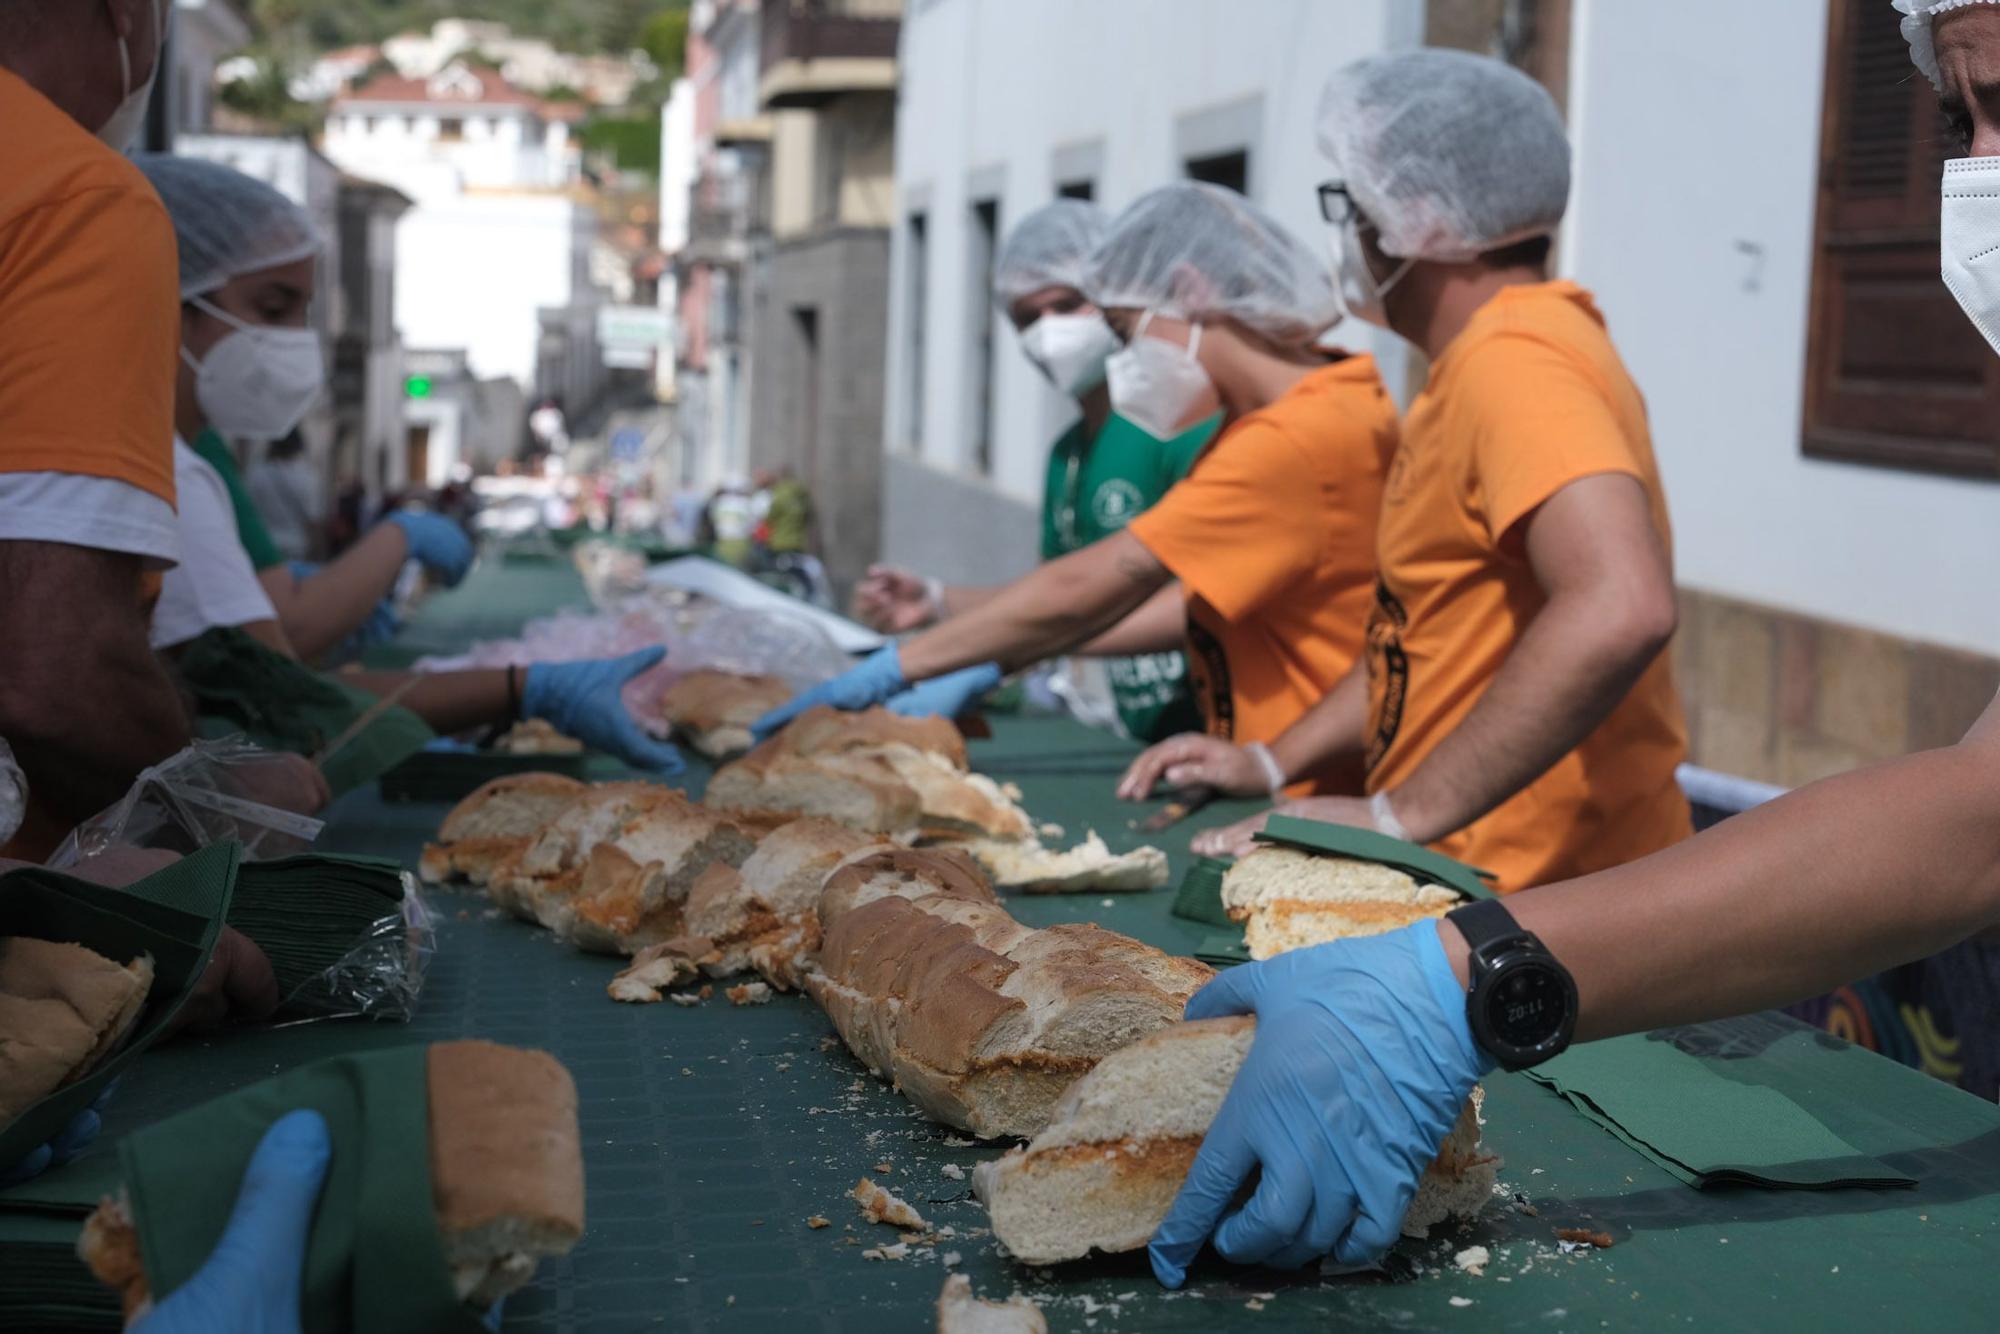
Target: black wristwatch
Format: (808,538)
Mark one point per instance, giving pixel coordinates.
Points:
(1522,1003)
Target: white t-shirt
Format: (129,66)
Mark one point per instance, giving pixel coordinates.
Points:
(85,511)
(214,584)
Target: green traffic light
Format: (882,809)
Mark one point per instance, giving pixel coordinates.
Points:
(417,386)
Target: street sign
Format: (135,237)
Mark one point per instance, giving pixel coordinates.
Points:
(633,328)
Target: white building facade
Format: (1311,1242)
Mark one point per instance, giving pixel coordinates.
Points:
(495,257)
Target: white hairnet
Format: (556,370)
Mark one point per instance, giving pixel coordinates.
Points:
(227,224)
(1449,154)
(1051,247)
(1202,252)
(1917,16)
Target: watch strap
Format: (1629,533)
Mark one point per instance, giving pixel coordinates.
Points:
(1484,922)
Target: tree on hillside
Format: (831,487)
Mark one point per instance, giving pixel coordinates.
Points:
(664,38)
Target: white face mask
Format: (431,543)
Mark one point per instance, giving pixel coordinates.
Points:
(125,123)
(258,382)
(1969,237)
(1360,295)
(1155,385)
(1071,350)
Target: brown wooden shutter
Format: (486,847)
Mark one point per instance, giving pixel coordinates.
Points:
(1895,374)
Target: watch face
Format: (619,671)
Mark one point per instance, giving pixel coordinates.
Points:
(1528,1004)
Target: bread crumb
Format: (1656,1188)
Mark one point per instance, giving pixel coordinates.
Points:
(958,1141)
(1049,829)
(683,998)
(1461,1301)
(784,1066)
(952,1259)
(896,1252)
(954,1171)
(913,1238)
(750,993)
(946,1233)
(818,1221)
(686,1071)
(828,1043)
(1473,1260)
(879,1206)
(1601,1240)
(885,1167)
(1253,1305)
(706,993)
(730,1300)
(1107,903)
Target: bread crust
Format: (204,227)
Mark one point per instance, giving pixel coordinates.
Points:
(714,710)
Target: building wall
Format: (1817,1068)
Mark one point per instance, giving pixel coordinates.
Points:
(474,270)
(991,107)
(1831,607)
(822,414)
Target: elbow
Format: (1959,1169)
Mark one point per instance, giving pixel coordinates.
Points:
(1645,622)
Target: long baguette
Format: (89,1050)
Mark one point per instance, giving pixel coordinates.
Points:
(979,1020)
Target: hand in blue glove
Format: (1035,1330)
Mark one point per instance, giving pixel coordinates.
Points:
(583,700)
(1361,1063)
(946,696)
(869,682)
(436,543)
(68,1143)
(251,1281)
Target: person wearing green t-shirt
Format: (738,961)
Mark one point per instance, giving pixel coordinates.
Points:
(1103,472)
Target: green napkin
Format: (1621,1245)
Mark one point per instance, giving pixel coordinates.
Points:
(175,915)
(1223,950)
(1703,1125)
(1366,845)
(375,1261)
(1200,896)
(240,685)
(339,935)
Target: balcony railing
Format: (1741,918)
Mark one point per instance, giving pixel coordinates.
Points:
(810,51)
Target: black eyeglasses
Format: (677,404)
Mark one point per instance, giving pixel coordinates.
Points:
(1336,205)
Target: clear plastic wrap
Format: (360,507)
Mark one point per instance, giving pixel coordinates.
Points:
(380,976)
(760,643)
(13,793)
(201,795)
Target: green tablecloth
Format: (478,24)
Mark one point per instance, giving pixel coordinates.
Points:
(712,1134)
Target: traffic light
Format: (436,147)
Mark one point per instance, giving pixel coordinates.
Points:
(417,386)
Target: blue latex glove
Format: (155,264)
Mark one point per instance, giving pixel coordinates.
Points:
(582,699)
(1361,1063)
(68,1143)
(949,695)
(436,543)
(251,1280)
(869,682)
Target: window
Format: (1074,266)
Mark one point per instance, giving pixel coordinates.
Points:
(917,267)
(983,242)
(450,130)
(1085,190)
(1226,169)
(1895,374)
(805,320)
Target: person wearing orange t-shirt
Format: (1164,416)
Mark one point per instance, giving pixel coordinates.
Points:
(89,327)
(1271,534)
(1515,708)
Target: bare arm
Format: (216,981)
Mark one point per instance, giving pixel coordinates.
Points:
(1049,610)
(447,701)
(320,611)
(1826,884)
(83,700)
(1609,613)
(1158,627)
(961,598)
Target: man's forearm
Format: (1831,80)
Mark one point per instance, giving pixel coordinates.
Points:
(1049,610)
(1825,885)
(448,701)
(1158,627)
(1572,666)
(958,599)
(1328,732)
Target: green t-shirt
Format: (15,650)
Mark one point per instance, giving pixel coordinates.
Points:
(250,528)
(788,522)
(1096,487)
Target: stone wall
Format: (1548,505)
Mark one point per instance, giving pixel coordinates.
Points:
(1789,699)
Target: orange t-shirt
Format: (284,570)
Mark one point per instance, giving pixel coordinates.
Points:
(1272,535)
(1529,398)
(89,304)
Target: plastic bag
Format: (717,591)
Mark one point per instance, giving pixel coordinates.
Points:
(760,642)
(192,799)
(13,793)
(381,976)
